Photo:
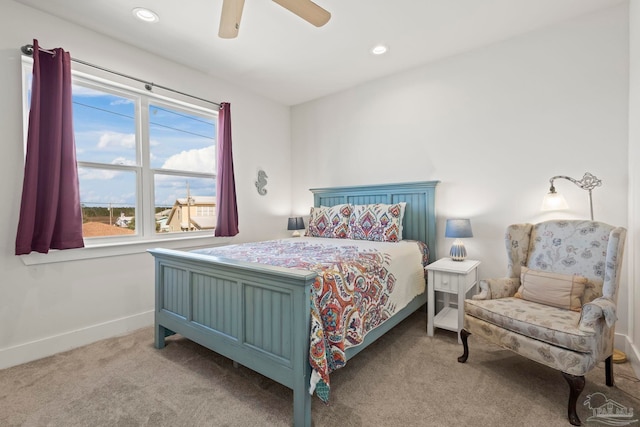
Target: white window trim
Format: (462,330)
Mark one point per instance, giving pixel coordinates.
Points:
(107,247)
(121,249)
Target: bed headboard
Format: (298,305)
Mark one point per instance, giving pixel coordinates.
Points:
(419,217)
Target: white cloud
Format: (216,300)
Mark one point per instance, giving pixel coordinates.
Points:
(196,160)
(95,198)
(97,174)
(117,139)
(121,101)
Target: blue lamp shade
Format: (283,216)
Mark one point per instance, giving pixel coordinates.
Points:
(296,223)
(458,229)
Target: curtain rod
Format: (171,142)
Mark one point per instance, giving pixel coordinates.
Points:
(28,50)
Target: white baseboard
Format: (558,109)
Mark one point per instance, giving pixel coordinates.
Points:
(623,343)
(633,356)
(49,346)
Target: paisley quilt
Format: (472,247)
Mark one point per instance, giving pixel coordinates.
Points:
(360,284)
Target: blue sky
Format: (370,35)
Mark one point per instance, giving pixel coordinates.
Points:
(105,132)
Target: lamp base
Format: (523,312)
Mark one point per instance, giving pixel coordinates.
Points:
(458,251)
(295,234)
(619,356)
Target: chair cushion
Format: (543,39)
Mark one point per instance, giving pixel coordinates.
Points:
(553,325)
(559,290)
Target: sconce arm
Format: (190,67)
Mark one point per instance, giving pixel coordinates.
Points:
(588,181)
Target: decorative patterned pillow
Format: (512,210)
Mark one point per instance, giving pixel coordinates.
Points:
(332,222)
(558,290)
(377,222)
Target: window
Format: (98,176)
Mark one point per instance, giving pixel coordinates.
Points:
(146,164)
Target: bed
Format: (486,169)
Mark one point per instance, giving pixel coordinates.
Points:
(260,315)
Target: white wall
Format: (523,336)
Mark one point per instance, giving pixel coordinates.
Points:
(49,308)
(493,125)
(633,348)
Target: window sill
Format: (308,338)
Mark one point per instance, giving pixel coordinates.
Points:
(103,250)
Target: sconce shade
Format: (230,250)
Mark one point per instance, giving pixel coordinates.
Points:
(295,223)
(458,229)
(554,201)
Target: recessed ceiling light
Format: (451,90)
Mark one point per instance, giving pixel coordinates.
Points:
(145,15)
(379,49)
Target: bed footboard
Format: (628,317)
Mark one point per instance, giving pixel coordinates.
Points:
(258,316)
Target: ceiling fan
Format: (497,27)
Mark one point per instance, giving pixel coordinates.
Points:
(305,9)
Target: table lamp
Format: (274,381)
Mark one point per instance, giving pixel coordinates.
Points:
(295,224)
(458,229)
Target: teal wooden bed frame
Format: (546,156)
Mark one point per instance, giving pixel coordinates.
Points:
(259,315)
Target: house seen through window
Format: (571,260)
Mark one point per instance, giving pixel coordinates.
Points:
(146,164)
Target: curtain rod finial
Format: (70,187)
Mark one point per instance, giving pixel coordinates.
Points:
(27,49)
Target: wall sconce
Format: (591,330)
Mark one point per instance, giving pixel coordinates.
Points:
(458,229)
(555,201)
(295,223)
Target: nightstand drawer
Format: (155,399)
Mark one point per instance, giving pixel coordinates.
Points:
(452,282)
(446,282)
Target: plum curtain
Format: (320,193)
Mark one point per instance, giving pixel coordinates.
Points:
(50,212)
(227,208)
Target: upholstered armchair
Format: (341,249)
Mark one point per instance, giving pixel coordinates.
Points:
(558,304)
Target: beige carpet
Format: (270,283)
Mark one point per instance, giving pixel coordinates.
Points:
(404,379)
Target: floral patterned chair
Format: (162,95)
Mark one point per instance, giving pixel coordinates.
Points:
(558,304)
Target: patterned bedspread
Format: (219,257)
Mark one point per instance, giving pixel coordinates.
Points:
(360,284)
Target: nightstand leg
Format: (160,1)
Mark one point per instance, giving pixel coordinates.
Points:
(431,301)
(461,297)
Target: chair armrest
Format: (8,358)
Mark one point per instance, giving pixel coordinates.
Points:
(497,288)
(592,312)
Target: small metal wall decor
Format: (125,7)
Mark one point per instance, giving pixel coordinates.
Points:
(261,182)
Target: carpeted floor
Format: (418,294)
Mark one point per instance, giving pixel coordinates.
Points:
(404,379)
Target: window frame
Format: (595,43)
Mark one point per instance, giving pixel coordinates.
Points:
(146,236)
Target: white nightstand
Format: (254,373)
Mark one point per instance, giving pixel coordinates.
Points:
(451,278)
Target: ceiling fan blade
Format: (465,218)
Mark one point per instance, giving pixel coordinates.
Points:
(230,18)
(307,10)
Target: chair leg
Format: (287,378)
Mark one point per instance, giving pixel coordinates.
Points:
(464,334)
(576,385)
(608,369)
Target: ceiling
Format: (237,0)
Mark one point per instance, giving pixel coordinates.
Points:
(284,58)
